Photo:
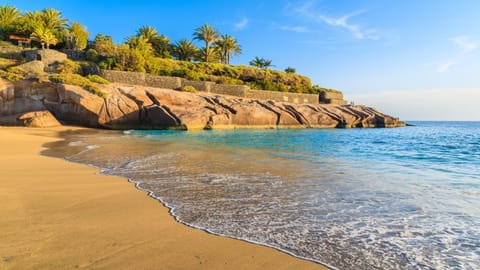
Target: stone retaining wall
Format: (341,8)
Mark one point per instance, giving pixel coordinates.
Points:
(75,55)
(138,78)
(298,98)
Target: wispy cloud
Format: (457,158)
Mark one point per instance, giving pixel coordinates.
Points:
(465,45)
(445,66)
(298,29)
(356,30)
(241,24)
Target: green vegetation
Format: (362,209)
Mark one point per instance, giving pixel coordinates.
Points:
(290,70)
(261,63)
(145,51)
(76,79)
(97,79)
(227,46)
(13,74)
(189,88)
(209,35)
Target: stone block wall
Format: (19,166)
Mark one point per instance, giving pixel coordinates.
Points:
(47,56)
(230,89)
(298,98)
(75,55)
(199,85)
(332,98)
(162,81)
(138,78)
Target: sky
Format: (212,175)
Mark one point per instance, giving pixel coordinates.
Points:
(418,60)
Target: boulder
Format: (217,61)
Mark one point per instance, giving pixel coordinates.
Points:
(30,119)
(36,67)
(39,119)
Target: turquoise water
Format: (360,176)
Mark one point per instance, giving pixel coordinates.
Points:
(405,198)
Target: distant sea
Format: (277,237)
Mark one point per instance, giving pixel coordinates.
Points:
(403,198)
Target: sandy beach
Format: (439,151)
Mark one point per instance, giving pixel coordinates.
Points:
(61,215)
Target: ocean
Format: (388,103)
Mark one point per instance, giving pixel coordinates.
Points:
(402,198)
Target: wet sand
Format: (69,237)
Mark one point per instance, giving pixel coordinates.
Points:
(60,215)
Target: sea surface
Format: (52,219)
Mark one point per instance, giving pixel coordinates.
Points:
(403,198)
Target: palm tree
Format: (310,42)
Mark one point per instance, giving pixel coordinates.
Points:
(160,43)
(8,16)
(141,45)
(45,36)
(184,50)
(207,34)
(53,20)
(228,45)
(32,20)
(162,46)
(261,63)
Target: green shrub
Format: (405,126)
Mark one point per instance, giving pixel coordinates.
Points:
(75,79)
(69,67)
(97,79)
(261,79)
(189,88)
(13,74)
(91,55)
(10,76)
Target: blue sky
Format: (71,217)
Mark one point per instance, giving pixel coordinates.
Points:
(409,58)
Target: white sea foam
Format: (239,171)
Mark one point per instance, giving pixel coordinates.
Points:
(76,143)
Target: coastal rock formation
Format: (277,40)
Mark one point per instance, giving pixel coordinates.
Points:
(140,107)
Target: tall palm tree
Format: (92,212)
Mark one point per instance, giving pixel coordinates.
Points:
(160,43)
(207,34)
(184,50)
(8,16)
(45,36)
(162,46)
(32,20)
(53,20)
(228,45)
(148,32)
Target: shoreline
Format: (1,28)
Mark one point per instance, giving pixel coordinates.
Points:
(62,215)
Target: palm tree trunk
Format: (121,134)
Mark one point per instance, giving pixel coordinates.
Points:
(206,51)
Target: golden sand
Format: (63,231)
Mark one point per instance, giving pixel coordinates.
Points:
(60,215)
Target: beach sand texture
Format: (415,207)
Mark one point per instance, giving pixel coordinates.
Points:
(60,215)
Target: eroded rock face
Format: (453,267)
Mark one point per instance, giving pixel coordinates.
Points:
(138,107)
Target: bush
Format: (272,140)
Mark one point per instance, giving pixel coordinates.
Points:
(69,67)
(189,88)
(91,55)
(10,76)
(97,79)
(13,74)
(75,79)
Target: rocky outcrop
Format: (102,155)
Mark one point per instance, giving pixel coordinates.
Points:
(31,119)
(140,107)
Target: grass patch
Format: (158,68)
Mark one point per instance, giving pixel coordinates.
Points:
(188,88)
(13,74)
(97,79)
(75,79)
